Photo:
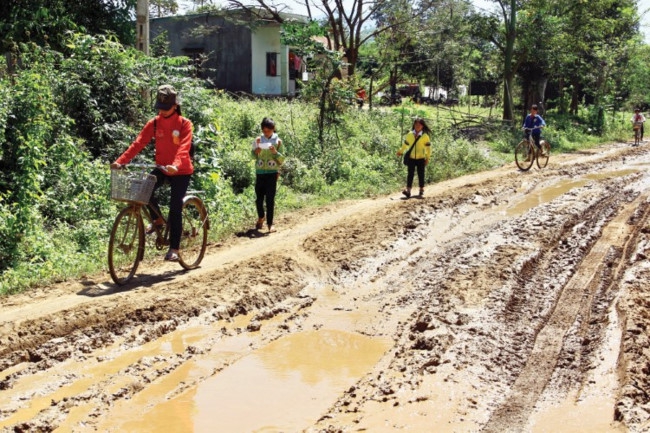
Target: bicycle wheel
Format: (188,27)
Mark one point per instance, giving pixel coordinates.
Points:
(194,237)
(637,136)
(524,155)
(126,245)
(544,154)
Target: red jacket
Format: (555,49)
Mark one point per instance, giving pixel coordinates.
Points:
(173,142)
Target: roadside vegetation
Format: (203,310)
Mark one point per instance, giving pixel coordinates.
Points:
(73,96)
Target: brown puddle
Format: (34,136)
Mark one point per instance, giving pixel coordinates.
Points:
(611,174)
(284,386)
(594,414)
(76,377)
(552,192)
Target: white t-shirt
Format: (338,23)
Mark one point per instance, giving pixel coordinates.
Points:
(638,117)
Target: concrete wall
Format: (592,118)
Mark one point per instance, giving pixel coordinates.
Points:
(228,47)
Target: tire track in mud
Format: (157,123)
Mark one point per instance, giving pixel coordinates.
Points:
(598,271)
(633,403)
(518,281)
(461,287)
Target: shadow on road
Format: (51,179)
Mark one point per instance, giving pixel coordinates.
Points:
(94,289)
(251,233)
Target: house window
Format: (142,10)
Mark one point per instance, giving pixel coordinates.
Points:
(271,64)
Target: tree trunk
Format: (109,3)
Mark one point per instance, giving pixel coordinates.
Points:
(508,69)
(372,80)
(563,108)
(323,109)
(352,54)
(575,97)
(392,81)
(534,91)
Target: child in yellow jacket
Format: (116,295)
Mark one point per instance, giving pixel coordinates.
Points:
(417,145)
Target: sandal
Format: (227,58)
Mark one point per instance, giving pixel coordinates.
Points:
(272,229)
(259,224)
(171,256)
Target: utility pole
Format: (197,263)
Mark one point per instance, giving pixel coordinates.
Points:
(142,26)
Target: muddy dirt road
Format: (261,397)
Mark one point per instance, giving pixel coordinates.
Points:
(501,302)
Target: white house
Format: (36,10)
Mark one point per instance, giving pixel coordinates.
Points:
(242,53)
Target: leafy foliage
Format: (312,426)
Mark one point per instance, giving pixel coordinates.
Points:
(162,8)
(64,116)
(46,22)
(66,112)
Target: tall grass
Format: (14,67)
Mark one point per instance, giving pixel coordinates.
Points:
(55,212)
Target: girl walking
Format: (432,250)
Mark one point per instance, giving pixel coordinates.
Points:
(266,150)
(417,152)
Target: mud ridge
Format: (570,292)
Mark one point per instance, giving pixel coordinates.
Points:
(633,405)
(494,296)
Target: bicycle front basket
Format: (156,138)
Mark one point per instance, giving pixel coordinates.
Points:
(637,125)
(132,186)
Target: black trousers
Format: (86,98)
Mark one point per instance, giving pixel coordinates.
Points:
(179,185)
(265,187)
(536,139)
(410,174)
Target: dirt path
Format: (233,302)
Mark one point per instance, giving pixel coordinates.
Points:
(501,302)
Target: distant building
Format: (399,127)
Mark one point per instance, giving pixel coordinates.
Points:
(244,54)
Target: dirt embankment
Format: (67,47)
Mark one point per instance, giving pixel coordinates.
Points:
(502,301)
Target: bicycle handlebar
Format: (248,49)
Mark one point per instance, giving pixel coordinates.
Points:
(143,165)
(530,129)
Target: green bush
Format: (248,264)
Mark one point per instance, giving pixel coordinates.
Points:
(65,116)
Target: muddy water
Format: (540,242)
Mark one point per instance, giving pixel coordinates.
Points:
(284,386)
(550,193)
(446,271)
(76,377)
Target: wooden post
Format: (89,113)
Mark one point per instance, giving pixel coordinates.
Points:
(142,26)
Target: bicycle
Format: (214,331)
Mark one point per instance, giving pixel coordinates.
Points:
(127,240)
(526,152)
(637,132)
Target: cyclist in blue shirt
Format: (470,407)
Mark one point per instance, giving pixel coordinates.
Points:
(534,120)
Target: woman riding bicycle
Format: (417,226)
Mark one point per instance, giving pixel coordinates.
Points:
(172,135)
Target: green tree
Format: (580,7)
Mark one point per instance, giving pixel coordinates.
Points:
(595,45)
(47,21)
(538,45)
(500,28)
(444,46)
(509,16)
(329,93)
(397,44)
(637,77)
(162,8)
